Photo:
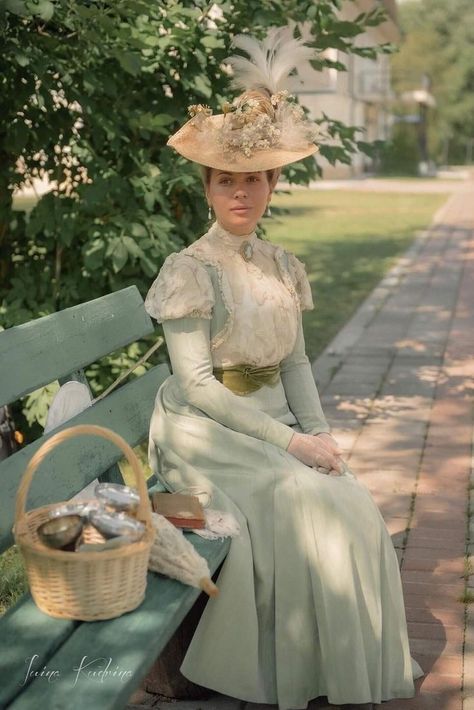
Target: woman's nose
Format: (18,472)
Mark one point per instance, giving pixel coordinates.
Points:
(240,191)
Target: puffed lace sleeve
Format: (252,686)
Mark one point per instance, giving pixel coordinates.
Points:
(182,289)
(300,282)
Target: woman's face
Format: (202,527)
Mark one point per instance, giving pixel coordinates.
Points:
(238,199)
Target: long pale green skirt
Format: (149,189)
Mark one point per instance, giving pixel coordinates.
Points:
(310,599)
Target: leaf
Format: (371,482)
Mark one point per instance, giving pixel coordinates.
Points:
(212,42)
(17,7)
(149,267)
(130,62)
(132,247)
(152,41)
(152,122)
(119,256)
(346,29)
(138,230)
(22,59)
(202,85)
(94,255)
(41,8)
(151,170)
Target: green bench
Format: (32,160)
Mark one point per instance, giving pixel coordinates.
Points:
(64,656)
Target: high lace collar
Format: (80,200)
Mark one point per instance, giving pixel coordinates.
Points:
(233,241)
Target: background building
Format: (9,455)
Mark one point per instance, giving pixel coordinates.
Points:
(360,96)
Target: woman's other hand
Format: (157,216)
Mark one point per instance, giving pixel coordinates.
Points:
(316,451)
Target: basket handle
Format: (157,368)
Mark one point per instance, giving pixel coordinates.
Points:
(144,510)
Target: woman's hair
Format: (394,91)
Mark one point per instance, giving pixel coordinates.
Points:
(206,172)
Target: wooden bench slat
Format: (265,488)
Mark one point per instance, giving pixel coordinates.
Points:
(46,349)
(68,469)
(26,631)
(148,629)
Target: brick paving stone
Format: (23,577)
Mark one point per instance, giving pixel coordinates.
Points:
(393,507)
(436,576)
(427,701)
(442,664)
(433,647)
(431,614)
(430,555)
(420,630)
(447,504)
(396,526)
(432,594)
(434,565)
(437,683)
(429,528)
(420,535)
(447,549)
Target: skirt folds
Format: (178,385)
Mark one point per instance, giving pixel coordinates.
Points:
(310,599)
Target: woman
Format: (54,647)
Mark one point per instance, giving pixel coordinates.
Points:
(311,602)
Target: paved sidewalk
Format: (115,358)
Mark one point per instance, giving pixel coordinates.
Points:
(397,385)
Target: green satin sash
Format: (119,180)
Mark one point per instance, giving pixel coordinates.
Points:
(244,379)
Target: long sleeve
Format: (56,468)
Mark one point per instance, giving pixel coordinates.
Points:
(300,389)
(188,341)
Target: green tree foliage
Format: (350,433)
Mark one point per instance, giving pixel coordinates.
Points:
(400,155)
(438,42)
(90,90)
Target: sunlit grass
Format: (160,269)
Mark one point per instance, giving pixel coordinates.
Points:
(348,241)
(12,578)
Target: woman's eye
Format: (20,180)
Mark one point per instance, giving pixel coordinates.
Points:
(253,178)
(224,181)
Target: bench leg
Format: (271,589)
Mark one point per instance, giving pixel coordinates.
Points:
(164,678)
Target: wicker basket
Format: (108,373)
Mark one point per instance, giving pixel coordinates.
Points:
(86,586)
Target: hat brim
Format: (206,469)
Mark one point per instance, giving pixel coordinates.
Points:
(197,145)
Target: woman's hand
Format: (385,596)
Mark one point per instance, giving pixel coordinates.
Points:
(316,451)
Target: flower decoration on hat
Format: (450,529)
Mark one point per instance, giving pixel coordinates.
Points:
(264,126)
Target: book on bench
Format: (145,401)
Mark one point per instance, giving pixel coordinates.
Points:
(184,511)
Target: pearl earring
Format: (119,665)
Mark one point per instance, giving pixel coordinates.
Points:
(209,213)
(268,212)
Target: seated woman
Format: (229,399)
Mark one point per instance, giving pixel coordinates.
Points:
(311,601)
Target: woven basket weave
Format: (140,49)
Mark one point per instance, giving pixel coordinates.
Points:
(86,586)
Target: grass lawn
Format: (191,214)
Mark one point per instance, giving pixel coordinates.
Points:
(12,578)
(348,241)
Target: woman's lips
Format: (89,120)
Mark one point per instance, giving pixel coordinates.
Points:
(239,209)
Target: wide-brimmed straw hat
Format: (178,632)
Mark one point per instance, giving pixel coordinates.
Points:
(264,128)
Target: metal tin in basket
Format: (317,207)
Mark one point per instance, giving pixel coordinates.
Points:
(118,524)
(62,532)
(117,497)
(83,508)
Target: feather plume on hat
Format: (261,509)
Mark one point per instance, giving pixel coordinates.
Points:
(264,127)
(270,62)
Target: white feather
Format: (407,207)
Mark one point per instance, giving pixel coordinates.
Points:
(270,62)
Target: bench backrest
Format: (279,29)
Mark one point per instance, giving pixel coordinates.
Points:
(50,348)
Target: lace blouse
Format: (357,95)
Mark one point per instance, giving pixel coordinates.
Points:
(253,305)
